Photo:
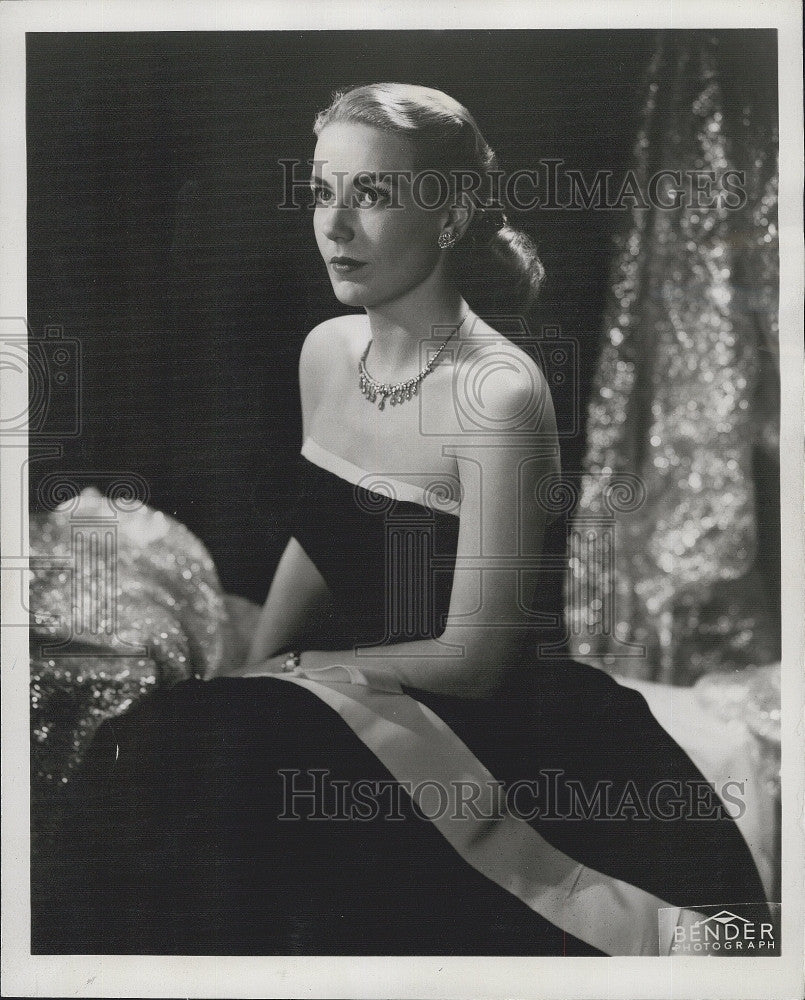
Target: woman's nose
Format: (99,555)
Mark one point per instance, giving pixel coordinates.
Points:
(338,223)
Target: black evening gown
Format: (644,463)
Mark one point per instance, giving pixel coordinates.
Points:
(178,839)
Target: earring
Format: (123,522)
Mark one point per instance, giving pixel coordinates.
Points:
(446,239)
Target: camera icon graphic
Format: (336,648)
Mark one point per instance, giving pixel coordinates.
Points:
(478,357)
(42,381)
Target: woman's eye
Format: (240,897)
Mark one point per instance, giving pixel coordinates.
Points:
(373,196)
(364,198)
(320,194)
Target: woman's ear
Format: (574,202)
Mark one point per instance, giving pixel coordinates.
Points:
(459,215)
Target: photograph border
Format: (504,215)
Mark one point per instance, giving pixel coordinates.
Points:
(24,974)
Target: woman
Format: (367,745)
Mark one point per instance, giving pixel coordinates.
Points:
(394,769)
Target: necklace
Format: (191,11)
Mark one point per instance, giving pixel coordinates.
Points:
(400,391)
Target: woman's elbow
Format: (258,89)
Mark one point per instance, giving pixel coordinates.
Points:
(486,665)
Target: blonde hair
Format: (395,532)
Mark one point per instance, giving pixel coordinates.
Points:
(494,263)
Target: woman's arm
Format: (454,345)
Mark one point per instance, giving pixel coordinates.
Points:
(297,597)
(499,548)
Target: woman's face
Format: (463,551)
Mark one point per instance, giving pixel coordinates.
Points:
(396,243)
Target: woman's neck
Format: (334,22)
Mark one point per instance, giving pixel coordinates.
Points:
(400,329)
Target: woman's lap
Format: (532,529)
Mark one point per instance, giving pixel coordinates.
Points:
(191,825)
(613,789)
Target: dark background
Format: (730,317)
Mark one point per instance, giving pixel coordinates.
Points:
(155,240)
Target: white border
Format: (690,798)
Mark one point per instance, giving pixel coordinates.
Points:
(732,979)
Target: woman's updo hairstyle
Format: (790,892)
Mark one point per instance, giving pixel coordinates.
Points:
(496,267)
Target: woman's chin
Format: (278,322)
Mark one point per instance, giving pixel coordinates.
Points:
(349,295)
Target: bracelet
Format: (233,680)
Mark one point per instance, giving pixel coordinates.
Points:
(291,661)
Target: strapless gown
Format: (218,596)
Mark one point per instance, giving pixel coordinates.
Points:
(277,815)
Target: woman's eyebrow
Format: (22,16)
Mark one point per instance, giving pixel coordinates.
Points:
(384,177)
(373,178)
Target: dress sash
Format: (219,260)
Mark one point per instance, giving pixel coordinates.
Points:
(421,751)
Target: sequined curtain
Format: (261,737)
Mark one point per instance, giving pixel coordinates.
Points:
(676,510)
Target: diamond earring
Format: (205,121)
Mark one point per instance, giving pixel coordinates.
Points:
(446,239)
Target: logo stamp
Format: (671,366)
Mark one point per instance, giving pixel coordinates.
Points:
(733,931)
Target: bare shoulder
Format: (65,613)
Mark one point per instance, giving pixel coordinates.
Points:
(319,340)
(482,340)
(330,341)
(494,375)
(323,362)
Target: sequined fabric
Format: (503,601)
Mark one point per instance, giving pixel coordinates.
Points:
(664,582)
(123,600)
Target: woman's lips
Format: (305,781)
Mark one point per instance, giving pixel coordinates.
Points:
(346,266)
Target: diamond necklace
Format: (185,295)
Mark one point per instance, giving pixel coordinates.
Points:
(400,391)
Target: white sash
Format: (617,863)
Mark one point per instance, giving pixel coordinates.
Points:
(418,748)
